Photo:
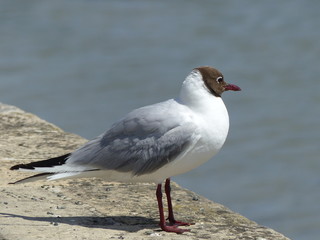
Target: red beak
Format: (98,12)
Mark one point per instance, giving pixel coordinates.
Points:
(232,87)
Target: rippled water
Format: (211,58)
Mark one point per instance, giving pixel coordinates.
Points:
(83,64)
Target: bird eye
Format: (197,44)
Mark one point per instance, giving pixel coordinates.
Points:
(219,79)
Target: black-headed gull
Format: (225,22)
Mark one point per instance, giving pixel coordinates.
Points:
(153,143)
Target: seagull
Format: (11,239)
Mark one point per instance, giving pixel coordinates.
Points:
(152,143)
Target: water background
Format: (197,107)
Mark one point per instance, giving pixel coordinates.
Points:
(84,64)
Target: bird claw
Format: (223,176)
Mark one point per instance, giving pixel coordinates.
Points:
(174,222)
(174,228)
(179,223)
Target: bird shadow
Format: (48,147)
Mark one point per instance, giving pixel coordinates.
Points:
(123,223)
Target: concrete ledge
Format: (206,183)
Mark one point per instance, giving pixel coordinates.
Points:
(91,208)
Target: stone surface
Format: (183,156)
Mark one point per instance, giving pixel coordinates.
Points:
(92,208)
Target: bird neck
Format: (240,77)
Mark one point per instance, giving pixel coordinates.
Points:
(195,94)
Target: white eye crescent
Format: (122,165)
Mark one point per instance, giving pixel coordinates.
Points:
(219,79)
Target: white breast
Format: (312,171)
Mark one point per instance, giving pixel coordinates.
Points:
(211,116)
(209,112)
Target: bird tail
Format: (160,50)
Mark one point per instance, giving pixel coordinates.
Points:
(42,166)
(53,169)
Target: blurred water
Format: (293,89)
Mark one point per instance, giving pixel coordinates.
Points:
(83,64)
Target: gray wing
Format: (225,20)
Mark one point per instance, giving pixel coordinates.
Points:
(142,142)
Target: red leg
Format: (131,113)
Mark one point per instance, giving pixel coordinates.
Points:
(163,223)
(170,210)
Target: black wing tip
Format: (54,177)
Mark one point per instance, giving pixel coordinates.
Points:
(44,163)
(40,175)
(24,166)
